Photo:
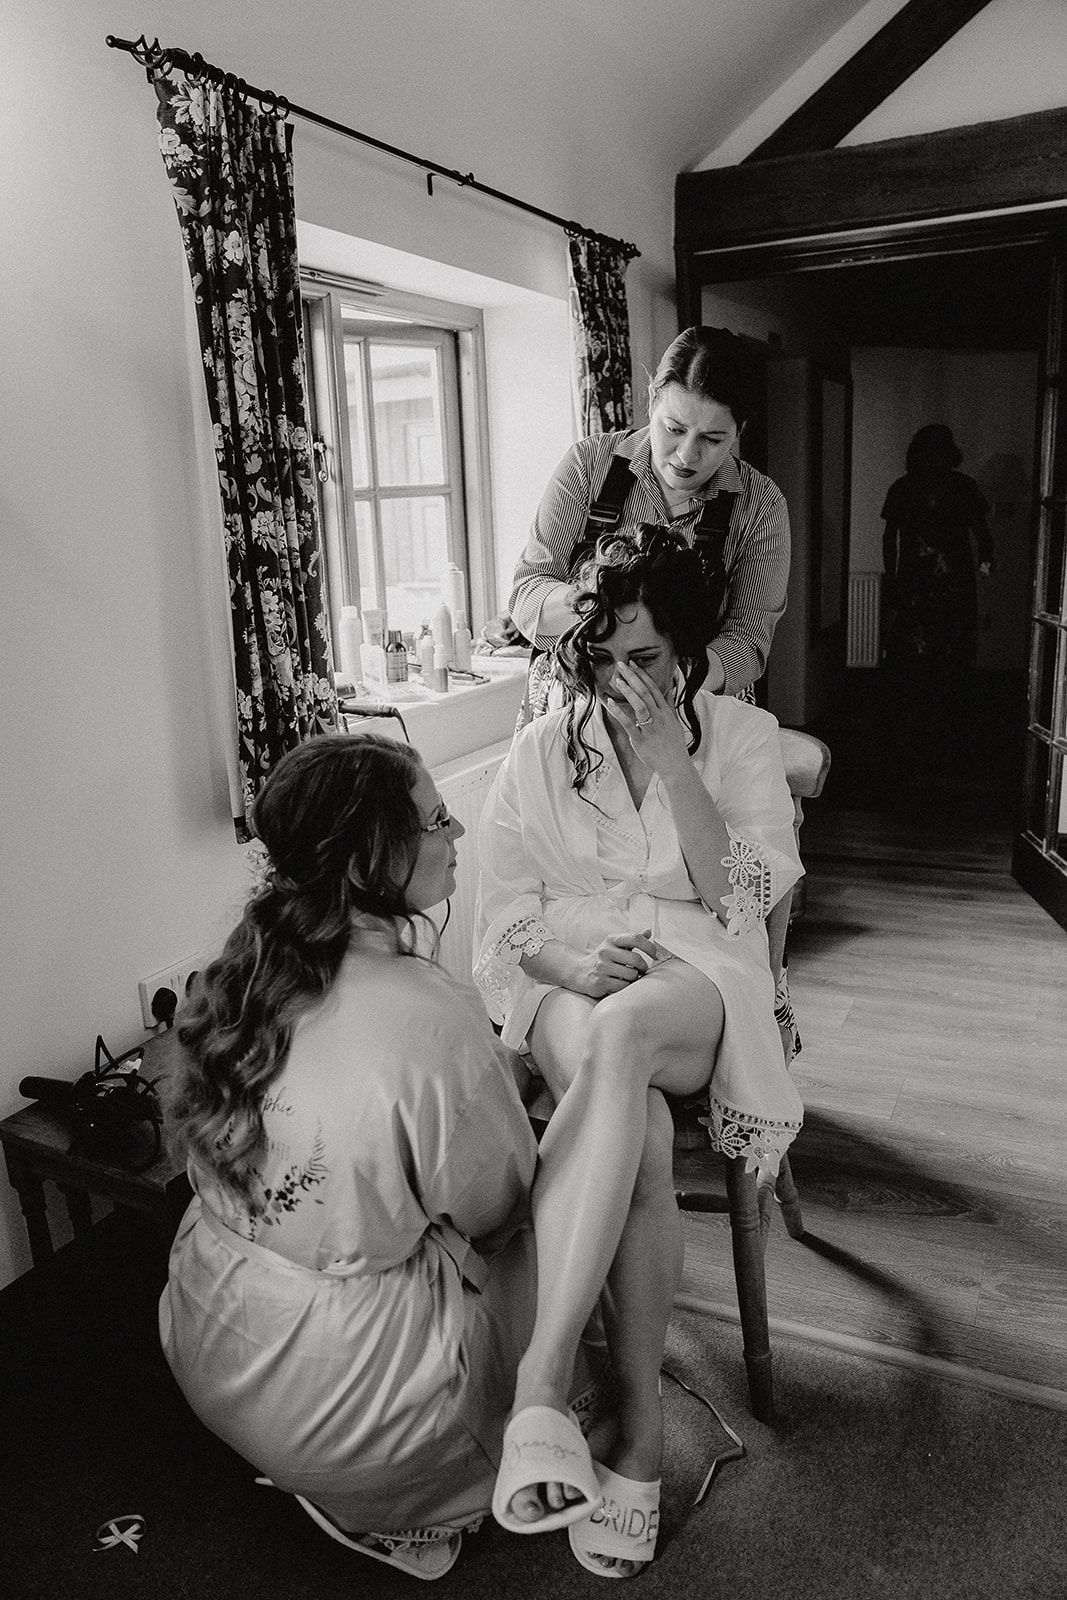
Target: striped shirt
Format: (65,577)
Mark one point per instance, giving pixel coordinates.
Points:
(756,555)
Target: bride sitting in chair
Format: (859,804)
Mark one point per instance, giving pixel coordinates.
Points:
(631,849)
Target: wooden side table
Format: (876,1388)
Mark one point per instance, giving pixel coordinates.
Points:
(36,1143)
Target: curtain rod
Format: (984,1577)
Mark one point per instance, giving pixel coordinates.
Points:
(157,58)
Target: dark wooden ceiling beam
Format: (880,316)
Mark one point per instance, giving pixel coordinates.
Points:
(987,166)
(900,47)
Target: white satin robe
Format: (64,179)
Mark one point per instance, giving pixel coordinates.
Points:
(342,1333)
(554,865)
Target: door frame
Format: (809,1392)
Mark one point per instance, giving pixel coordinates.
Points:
(959,190)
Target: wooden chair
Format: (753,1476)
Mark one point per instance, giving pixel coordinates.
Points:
(750,1203)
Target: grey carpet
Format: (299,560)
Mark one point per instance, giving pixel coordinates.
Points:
(877,1482)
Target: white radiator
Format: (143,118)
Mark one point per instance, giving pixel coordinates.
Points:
(864,619)
(463,786)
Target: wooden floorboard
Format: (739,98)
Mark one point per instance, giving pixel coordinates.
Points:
(931,992)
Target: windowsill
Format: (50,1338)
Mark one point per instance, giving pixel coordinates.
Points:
(470,717)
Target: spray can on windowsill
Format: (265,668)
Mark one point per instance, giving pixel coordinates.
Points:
(441,623)
(453,588)
(439,679)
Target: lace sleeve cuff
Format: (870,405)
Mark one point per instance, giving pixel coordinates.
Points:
(751,896)
(497,967)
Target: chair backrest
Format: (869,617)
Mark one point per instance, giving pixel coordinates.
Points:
(806,760)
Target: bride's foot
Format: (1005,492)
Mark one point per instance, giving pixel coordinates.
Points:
(637,1454)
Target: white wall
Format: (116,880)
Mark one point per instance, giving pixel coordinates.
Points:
(1006,61)
(988,399)
(118,853)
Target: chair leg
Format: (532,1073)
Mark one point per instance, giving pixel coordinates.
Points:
(785,1192)
(766,1193)
(747,1244)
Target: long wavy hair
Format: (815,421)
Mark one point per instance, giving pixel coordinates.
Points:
(656,567)
(342,834)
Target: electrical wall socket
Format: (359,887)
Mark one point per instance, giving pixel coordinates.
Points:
(175,977)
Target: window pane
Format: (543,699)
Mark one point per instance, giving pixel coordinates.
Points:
(1043,669)
(1053,588)
(368,567)
(415,541)
(1059,812)
(357,417)
(1058,443)
(1037,788)
(405,386)
(1059,677)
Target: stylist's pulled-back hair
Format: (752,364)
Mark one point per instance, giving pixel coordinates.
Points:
(341,832)
(654,567)
(714,364)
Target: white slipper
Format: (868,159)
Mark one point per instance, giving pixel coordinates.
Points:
(544,1446)
(624,1527)
(421,1552)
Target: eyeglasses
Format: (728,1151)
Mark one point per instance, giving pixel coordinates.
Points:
(442,820)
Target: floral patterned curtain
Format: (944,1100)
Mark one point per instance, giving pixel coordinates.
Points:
(600,330)
(230,164)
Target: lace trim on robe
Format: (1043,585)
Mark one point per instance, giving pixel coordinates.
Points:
(761,1144)
(749,902)
(495,972)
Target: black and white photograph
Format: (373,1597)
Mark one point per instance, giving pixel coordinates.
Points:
(534,795)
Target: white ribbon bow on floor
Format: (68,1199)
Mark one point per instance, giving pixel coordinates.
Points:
(120,1530)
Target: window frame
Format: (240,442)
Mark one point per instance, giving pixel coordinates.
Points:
(392,314)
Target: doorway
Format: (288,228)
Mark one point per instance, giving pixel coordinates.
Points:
(952,338)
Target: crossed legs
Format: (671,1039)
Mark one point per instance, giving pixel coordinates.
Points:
(603,1200)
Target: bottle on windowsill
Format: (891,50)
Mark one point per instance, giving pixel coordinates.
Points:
(461,644)
(426,654)
(396,658)
(439,680)
(350,637)
(441,623)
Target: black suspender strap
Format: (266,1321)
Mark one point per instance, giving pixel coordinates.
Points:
(605,514)
(709,536)
(709,542)
(605,510)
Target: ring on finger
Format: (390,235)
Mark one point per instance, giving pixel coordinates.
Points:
(643,723)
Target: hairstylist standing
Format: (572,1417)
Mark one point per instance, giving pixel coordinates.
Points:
(680,470)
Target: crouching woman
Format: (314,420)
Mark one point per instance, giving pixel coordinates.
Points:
(353,1284)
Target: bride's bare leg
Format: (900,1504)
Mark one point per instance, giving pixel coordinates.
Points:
(641,1287)
(607,1130)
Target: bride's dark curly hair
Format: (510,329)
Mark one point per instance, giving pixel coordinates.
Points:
(653,565)
(342,835)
